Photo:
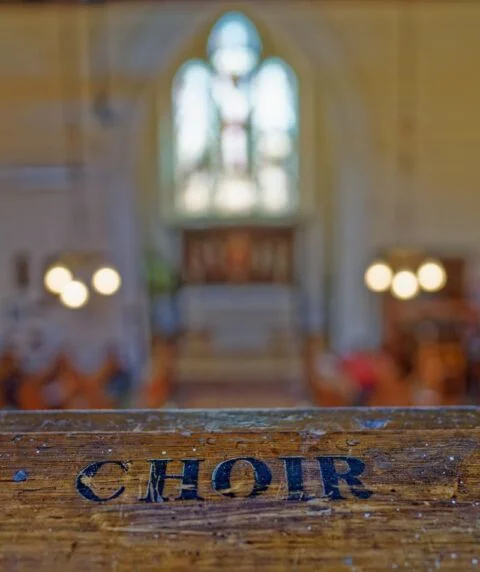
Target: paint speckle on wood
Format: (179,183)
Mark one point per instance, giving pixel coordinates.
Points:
(20,476)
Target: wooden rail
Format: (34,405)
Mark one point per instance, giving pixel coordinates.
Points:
(100,2)
(337,489)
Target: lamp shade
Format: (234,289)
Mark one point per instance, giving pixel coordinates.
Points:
(106,281)
(74,295)
(432,275)
(378,276)
(405,285)
(56,278)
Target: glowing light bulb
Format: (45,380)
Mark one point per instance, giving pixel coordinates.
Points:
(75,294)
(405,285)
(378,277)
(106,281)
(56,278)
(432,276)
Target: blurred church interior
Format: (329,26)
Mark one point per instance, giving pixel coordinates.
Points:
(246,204)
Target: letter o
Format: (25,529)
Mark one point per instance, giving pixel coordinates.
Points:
(222,473)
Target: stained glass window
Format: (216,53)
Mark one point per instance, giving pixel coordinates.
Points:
(235,128)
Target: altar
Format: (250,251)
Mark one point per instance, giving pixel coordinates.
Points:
(239,305)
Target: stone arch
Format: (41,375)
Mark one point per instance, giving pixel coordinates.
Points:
(311,48)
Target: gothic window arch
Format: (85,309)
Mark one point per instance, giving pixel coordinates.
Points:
(235,127)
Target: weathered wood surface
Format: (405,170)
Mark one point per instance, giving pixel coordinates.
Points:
(409,482)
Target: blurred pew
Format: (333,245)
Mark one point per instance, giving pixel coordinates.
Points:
(59,384)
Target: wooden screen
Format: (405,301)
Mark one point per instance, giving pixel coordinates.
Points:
(233,255)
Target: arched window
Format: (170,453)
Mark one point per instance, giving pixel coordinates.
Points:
(235,128)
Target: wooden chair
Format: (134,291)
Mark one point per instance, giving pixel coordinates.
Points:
(10,375)
(158,387)
(51,388)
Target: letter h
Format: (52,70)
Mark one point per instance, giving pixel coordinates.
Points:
(158,476)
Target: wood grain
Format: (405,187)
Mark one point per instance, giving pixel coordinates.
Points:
(416,505)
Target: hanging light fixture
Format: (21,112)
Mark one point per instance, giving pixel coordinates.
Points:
(405,272)
(61,276)
(406,276)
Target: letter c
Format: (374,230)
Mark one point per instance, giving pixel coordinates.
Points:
(87,473)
